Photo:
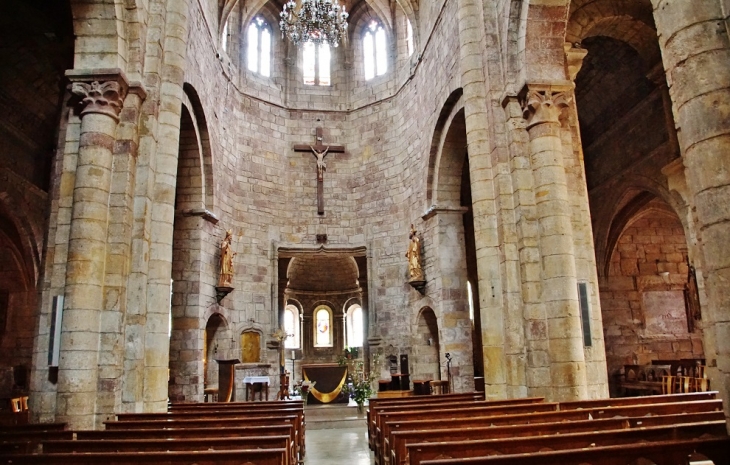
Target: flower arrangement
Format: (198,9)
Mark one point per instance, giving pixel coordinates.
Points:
(302,388)
(360,387)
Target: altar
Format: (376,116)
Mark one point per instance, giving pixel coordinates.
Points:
(329,380)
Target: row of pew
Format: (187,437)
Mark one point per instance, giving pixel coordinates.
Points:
(458,429)
(260,433)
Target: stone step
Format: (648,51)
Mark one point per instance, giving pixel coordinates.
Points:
(333,416)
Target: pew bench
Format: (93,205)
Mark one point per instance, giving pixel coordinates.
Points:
(375,403)
(643,412)
(378,413)
(418,453)
(661,452)
(230,411)
(167,444)
(386,418)
(208,457)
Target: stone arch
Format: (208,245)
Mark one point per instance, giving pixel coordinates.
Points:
(644,290)
(193,246)
(453,104)
(639,35)
(426,346)
(18,301)
(216,345)
(203,163)
(454,243)
(620,204)
(539,54)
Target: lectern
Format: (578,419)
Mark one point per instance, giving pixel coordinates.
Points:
(227,380)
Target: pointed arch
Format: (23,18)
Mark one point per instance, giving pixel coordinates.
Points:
(452,106)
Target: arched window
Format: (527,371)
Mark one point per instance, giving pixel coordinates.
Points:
(259,47)
(316,64)
(224,39)
(291,326)
(322,327)
(374,50)
(409,37)
(355,326)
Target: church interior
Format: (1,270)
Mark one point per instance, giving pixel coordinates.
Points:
(529,198)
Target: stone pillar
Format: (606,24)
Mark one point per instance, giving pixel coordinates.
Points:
(473,80)
(563,365)
(454,323)
(695,46)
(102,93)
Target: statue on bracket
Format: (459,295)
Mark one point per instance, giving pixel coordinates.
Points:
(415,269)
(226,274)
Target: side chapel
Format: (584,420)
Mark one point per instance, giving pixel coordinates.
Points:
(538,188)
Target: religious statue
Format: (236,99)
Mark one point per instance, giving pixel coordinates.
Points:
(415,271)
(321,166)
(227,254)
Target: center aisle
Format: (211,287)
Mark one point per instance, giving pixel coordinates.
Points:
(338,446)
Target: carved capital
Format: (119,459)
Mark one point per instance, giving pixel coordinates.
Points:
(544,103)
(100,91)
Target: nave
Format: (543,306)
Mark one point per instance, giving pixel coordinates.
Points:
(338,446)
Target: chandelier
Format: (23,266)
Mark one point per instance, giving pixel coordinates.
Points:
(316,21)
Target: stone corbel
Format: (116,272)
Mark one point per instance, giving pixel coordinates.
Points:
(101,91)
(574,55)
(544,102)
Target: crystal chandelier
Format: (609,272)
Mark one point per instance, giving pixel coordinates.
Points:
(316,21)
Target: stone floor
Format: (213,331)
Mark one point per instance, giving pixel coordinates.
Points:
(338,447)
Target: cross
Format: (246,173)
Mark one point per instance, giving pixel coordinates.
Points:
(319,150)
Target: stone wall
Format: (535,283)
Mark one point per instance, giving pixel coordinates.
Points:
(651,244)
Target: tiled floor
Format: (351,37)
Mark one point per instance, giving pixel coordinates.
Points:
(346,446)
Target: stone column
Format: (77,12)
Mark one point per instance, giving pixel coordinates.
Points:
(102,93)
(476,102)
(564,370)
(695,45)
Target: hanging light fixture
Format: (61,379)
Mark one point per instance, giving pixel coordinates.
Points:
(316,21)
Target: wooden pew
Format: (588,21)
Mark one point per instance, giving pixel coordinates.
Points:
(375,410)
(22,439)
(228,412)
(262,431)
(377,413)
(208,457)
(660,452)
(417,453)
(375,403)
(638,400)
(265,405)
(187,444)
(32,427)
(464,420)
(455,431)
(385,418)
(205,421)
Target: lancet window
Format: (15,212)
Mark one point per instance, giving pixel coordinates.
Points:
(374,50)
(259,47)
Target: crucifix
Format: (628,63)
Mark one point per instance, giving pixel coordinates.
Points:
(319,150)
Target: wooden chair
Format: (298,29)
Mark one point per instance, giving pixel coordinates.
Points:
(15,405)
(669,384)
(685,383)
